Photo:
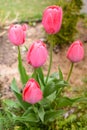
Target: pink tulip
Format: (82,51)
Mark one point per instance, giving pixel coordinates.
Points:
(25,27)
(17,34)
(75,52)
(32,92)
(37,54)
(52,19)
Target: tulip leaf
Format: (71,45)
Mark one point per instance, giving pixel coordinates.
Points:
(54,75)
(29,110)
(51,97)
(64,102)
(39,77)
(14,86)
(80,99)
(23,104)
(23,75)
(52,115)
(54,85)
(50,88)
(18,95)
(40,74)
(45,102)
(40,83)
(11,103)
(30,117)
(60,74)
(41,113)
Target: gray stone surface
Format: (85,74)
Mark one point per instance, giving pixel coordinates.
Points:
(84,9)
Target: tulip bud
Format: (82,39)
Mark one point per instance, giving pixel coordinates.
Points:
(75,52)
(37,54)
(17,34)
(32,92)
(25,27)
(52,19)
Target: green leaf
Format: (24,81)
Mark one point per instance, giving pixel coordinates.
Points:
(64,101)
(40,74)
(54,85)
(23,104)
(31,117)
(51,97)
(41,113)
(45,102)
(40,83)
(10,103)
(50,88)
(23,75)
(54,75)
(39,77)
(29,110)
(80,99)
(61,83)
(1,121)
(52,115)
(18,95)
(14,86)
(60,74)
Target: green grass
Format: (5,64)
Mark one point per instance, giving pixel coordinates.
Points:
(24,9)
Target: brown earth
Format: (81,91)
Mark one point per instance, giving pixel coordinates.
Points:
(8,59)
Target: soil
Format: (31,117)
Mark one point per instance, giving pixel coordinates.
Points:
(8,59)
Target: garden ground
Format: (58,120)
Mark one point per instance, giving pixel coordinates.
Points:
(8,60)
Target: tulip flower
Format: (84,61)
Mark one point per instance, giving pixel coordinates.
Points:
(37,54)
(17,34)
(32,92)
(52,19)
(75,52)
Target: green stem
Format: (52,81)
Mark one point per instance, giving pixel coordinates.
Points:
(70,71)
(23,74)
(35,74)
(34,108)
(19,50)
(50,63)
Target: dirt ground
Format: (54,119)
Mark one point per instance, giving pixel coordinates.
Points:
(8,59)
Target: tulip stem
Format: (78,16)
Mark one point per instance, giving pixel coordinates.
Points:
(35,73)
(34,109)
(50,62)
(70,71)
(18,49)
